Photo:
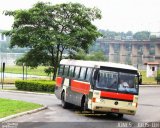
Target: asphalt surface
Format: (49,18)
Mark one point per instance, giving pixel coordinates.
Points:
(148,111)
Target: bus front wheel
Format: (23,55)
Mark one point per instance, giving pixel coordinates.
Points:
(63,102)
(120,115)
(83,105)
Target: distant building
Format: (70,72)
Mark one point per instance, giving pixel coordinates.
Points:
(117,38)
(3,38)
(156,34)
(8,55)
(152,68)
(129,38)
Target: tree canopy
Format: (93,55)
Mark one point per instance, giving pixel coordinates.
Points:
(143,35)
(50,30)
(93,56)
(111,35)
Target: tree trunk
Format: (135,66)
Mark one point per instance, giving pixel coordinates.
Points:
(56,63)
(61,53)
(54,73)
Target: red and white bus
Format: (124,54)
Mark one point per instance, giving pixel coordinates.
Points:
(98,86)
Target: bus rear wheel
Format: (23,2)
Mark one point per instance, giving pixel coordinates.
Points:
(63,102)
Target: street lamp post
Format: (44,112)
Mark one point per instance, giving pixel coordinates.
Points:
(23,70)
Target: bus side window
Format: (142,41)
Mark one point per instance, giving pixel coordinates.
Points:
(88,74)
(82,73)
(66,69)
(71,71)
(76,73)
(60,71)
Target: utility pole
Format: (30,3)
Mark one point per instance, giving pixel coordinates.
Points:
(23,70)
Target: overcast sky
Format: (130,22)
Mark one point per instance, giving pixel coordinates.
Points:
(117,15)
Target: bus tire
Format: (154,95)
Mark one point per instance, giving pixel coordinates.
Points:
(63,102)
(120,115)
(83,104)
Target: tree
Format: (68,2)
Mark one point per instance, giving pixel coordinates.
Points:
(49,30)
(97,56)
(94,56)
(143,35)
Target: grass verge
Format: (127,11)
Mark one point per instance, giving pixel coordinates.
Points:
(9,107)
(147,80)
(30,71)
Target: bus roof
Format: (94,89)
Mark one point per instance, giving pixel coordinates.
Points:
(96,64)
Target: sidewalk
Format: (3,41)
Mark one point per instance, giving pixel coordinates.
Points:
(8,86)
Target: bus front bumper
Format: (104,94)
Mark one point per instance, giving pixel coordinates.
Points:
(109,106)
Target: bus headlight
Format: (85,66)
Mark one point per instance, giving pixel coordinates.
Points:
(134,104)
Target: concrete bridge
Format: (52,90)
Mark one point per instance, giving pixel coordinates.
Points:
(135,52)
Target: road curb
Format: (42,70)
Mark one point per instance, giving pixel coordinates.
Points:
(27,92)
(22,114)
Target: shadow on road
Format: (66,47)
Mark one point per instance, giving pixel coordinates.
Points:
(95,115)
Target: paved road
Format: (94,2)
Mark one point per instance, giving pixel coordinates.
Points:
(148,109)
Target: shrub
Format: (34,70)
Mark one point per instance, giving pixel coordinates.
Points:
(35,85)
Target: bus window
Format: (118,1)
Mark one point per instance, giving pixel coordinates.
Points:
(76,73)
(88,74)
(60,71)
(71,71)
(82,73)
(128,83)
(66,68)
(107,80)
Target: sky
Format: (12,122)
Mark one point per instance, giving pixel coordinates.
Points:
(117,15)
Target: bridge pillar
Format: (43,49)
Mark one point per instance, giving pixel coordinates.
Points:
(134,53)
(134,59)
(146,48)
(157,50)
(111,52)
(123,50)
(134,50)
(123,53)
(111,48)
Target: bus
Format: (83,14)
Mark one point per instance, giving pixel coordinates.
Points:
(98,86)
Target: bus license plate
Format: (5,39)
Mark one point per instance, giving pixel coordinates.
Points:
(114,110)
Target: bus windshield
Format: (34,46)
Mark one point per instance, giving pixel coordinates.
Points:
(117,81)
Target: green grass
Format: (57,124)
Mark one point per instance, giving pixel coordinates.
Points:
(19,70)
(10,107)
(147,80)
